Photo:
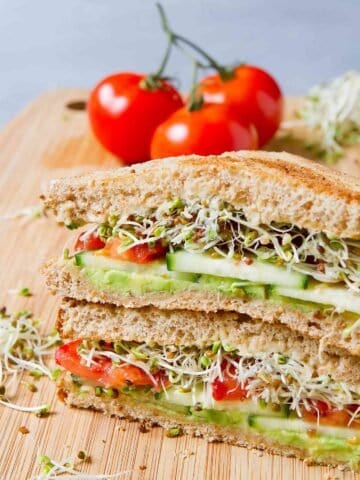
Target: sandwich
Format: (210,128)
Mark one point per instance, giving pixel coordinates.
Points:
(218,296)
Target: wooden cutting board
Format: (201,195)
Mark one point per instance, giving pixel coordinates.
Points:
(45,141)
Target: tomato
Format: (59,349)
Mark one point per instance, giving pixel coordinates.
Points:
(124,115)
(88,241)
(213,129)
(138,254)
(228,388)
(68,357)
(322,412)
(254,93)
(126,375)
(336,418)
(104,372)
(318,408)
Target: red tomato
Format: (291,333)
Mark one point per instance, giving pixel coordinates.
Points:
(228,388)
(124,115)
(87,241)
(318,407)
(322,412)
(103,373)
(68,357)
(254,93)
(126,375)
(211,130)
(137,254)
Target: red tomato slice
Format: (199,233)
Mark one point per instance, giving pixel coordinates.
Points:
(322,412)
(68,357)
(320,408)
(336,418)
(228,388)
(103,373)
(125,374)
(88,241)
(137,254)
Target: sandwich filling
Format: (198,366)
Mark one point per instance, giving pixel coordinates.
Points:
(269,393)
(208,245)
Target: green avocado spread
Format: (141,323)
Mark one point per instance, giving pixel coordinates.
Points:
(115,280)
(336,444)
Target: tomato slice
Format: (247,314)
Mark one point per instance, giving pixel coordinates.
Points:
(125,374)
(137,254)
(88,241)
(319,408)
(103,373)
(68,357)
(321,412)
(228,388)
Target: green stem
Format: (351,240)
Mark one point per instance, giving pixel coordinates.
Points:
(163,19)
(225,72)
(202,66)
(213,63)
(171,41)
(157,75)
(152,81)
(196,100)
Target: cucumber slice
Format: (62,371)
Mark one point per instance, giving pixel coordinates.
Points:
(339,297)
(93,259)
(267,423)
(256,272)
(157,267)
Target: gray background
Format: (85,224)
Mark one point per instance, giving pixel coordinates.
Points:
(45,44)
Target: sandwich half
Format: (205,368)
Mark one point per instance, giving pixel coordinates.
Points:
(226,377)
(269,235)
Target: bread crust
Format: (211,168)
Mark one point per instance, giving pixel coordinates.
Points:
(125,407)
(268,186)
(67,281)
(91,321)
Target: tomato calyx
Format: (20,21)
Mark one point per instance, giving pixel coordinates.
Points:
(152,82)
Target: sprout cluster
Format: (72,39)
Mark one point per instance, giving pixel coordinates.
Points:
(217,228)
(269,377)
(52,469)
(23,349)
(333,110)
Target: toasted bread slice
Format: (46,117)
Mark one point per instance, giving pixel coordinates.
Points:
(269,187)
(91,321)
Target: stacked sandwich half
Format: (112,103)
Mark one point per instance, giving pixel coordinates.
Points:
(218,296)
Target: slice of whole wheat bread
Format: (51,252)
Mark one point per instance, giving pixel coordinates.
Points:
(91,321)
(269,187)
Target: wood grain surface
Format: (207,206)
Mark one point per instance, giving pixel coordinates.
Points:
(49,140)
